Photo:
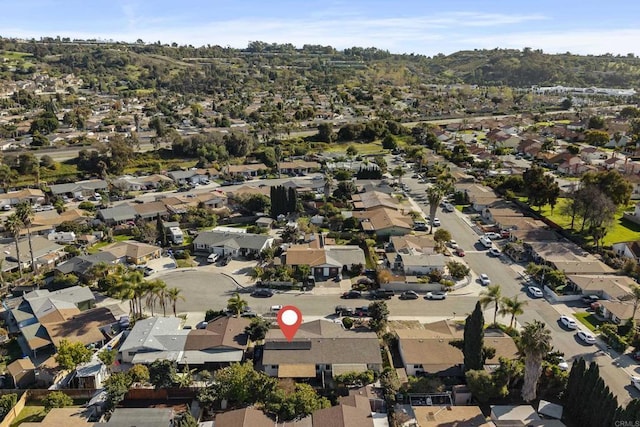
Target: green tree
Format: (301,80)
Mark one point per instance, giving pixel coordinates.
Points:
(473,339)
(435,193)
(116,387)
(442,236)
(7,401)
(240,385)
(535,343)
(185,419)
(513,307)
(457,270)
(289,405)
(139,373)
(162,373)
(72,354)
(258,328)
(326,133)
(236,304)
(107,357)
(56,399)
(492,295)
(481,385)
(379,313)
(389,143)
(611,183)
(173,295)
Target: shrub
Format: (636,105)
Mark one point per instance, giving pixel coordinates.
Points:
(347,322)
(56,399)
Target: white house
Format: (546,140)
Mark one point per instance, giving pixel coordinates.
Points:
(234,244)
(62,236)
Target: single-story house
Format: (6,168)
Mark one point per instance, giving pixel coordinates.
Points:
(373,199)
(298,167)
(133,252)
(419,264)
(221,342)
(248,171)
(31,195)
(384,221)
(67,417)
(45,253)
(326,261)
(607,286)
(82,264)
(235,244)
(117,215)
(321,348)
(154,338)
(140,417)
(150,210)
(629,250)
(80,188)
(410,243)
(138,183)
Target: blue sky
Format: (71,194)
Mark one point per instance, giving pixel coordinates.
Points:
(402,26)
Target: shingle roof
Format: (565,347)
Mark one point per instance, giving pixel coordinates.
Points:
(72,187)
(222,332)
(140,417)
(239,240)
(157,333)
(119,213)
(325,342)
(131,249)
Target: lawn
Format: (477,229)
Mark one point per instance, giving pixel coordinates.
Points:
(620,230)
(589,320)
(31,414)
(96,248)
(364,148)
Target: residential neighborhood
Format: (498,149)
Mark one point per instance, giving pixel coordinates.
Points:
(452,263)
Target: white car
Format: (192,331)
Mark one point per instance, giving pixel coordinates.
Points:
(495,252)
(436,295)
(568,322)
(486,242)
(635,381)
(492,235)
(212,258)
(563,365)
(436,222)
(484,279)
(535,292)
(453,244)
(586,337)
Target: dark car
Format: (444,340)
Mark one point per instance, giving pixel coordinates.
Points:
(587,300)
(342,310)
(409,295)
(262,293)
(382,294)
(362,311)
(352,295)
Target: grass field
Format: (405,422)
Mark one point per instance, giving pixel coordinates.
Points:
(588,320)
(620,231)
(30,414)
(363,148)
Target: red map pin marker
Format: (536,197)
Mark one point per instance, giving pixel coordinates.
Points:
(289,319)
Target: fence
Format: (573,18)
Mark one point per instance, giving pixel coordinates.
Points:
(15,411)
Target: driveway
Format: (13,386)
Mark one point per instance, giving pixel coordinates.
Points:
(203,289)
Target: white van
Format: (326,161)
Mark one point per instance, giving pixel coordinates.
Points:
(486,242)
(212,258)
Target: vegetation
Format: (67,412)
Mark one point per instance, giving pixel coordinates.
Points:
(474,339)
(70,355)
(535,344)
(56,399)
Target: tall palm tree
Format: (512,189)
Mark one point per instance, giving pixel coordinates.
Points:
(173,295)
(14,225)
(328,184)
(493,294)
(436,192)
(535,344)
(635,292)
(24,211)
(236,304)
(512,306)
(153,291)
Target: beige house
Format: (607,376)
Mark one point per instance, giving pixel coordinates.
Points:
(133,252)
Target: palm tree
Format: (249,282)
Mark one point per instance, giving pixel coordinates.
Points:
(14,225)
(236,304)
(535,344)
(512,306)
(173,295)
(491,295)
(154,293)
(435,193)
(398,172)
(328,184)
(24,211)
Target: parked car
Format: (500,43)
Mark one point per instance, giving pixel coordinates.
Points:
(262,293)
(342,310)
(493,236)
(460,252)
(365,281)
(436,295)
(453,244)
(586,337)
(505,234)
(568,322)
(535,292)
(212,258)
(352,294)
(436,222)
(362,311)
(484,280)
(382,294)
(275,308)
(562,364)
(409,295)
(495,252)
(486,242)
(587,300)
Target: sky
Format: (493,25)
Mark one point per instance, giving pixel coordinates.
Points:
(427,27)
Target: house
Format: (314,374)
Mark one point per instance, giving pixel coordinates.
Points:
(31,195)
(45,253)
(418,264)
(352,411)
(248,171)
(22,372)
(62,237)
(41,317)
(427,351)
(191,176)
(374,199)
(410,243)
(235,244)
(321,348)
(90,375)
(81,265)
(47,221)
(573,165)
(481,197)
(130,183)
(567,257)
(609,286)
(529,147)
(80,188)
(489,215)
(384,221)
(150,210)
(245,417)
(591,154)
(629,250)
(221,342)
(139,417)
(298,167)
(117,215)
(154,338)
(326,260)
(133,252)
